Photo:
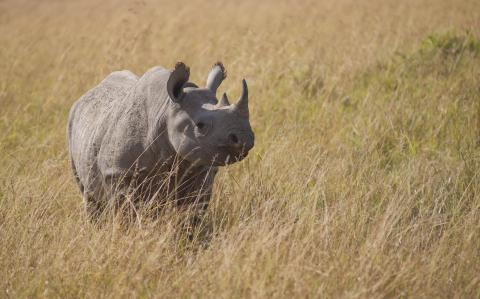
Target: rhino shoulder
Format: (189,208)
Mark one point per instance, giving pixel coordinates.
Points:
(155,74)
(156,69)
(122,76)
(120,79)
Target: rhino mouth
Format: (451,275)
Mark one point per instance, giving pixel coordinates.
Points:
(229,156)
(235,158)
(222,156)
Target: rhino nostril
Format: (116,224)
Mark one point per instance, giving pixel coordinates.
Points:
(233,138)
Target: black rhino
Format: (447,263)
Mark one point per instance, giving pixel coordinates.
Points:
(157,136)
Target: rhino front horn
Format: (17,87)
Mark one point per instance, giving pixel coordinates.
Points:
(242,105)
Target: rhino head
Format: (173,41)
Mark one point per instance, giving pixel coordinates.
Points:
(202,129)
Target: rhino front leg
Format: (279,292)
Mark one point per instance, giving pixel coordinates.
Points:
(198,194)
(198,198)
(124,192)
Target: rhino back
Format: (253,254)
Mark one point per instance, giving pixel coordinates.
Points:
(136,140)
(89,121)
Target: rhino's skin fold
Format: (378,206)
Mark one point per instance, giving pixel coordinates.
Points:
(157,137)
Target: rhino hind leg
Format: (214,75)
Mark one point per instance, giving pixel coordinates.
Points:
(94,199)
(91,198)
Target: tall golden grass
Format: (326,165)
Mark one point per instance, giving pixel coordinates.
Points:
(364,182)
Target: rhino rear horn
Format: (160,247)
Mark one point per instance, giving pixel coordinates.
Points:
(223,101)
(178,77)
(216,76)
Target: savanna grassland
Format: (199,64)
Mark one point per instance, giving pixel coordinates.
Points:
(364,181)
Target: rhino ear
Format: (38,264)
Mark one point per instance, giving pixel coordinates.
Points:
(178,77)
(216,76)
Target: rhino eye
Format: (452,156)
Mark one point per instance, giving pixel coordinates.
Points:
(200,125)
(202,128)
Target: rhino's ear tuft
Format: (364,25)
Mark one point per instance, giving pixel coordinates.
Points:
(222,68)
(216,76)
(178,77)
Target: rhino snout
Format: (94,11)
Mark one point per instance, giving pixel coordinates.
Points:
(240,142)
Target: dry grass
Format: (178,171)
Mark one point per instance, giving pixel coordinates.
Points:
(364,182)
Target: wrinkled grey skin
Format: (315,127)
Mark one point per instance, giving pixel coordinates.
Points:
(158,136)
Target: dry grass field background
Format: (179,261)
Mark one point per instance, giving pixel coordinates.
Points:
(364,181)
